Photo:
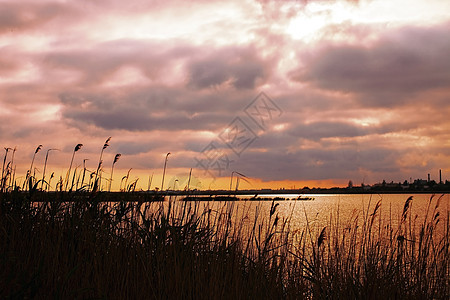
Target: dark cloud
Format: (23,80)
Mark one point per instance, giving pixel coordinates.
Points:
(208,73)
(204,67)
(134,147)
(138,120)
(8,60)
(319,130)
(403,63)
(340,129)
(151,109)
(22,15)
(239,65)
(318,164)
(97,64)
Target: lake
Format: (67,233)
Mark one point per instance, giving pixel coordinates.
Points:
(336,208)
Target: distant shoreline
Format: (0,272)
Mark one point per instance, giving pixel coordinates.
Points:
(291,191)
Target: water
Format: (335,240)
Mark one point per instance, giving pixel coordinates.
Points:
(337,209)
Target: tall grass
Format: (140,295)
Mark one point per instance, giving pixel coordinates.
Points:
(181,250)
(116,158)
(70,182)
(43,180)
(75,150)
(98,173)
(29,172)
(88,244)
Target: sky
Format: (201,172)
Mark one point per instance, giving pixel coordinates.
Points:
(286,93)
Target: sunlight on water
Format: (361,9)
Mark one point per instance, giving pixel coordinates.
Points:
(329,210)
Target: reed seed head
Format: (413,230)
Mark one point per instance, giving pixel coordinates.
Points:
(106,145)
(116,158)
(38,149)
(322,237)
(406,206)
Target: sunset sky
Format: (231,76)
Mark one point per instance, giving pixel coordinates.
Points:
(354,90)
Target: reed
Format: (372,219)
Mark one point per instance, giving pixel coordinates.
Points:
(84,173)
(92,248)
(98,173)
(164,171)
(75,150)
(12,169)
(116,158)
(4,176)
(124,179)
(94,244)
(45,168)
(28,175)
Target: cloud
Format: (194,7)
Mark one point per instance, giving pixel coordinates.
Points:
(317,164)
(8,61)
(99,63)
(399,66)
(152,108)
(27,15)
(201,67)
(361,99)
(318,130)
(239,65)
(130,115)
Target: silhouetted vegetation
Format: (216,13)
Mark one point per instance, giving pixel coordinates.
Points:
(179,250)
(80,242)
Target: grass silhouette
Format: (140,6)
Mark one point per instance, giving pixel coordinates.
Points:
(85,243)
(181,250)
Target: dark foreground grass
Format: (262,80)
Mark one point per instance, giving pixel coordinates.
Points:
(139,250)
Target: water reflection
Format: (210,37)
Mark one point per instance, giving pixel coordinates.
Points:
(332,209)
